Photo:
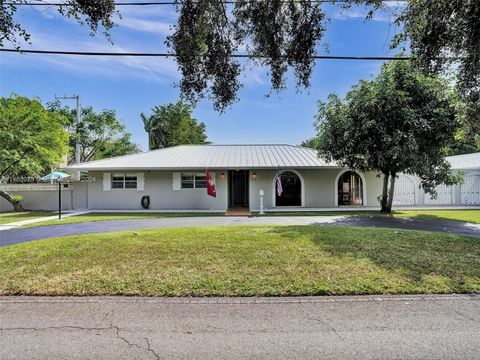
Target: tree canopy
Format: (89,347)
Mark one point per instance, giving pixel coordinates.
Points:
(100,134)
(463,143)
(285,34)
(310,143)
(173,124)
(443,35)
(92,13)
(280,34)
(400,122)
(33,140)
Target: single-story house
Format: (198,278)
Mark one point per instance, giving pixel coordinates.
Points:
(174,179)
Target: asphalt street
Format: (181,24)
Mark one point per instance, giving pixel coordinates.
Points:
(20,235)
(358,327)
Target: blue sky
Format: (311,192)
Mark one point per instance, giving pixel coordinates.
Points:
(134,85)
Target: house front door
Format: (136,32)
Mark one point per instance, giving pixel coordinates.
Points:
(238,188)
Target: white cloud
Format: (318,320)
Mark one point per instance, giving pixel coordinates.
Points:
(163,11)
(139,18)
(254,75)
(379,15)
(153,26)
(153,69)
(386,14)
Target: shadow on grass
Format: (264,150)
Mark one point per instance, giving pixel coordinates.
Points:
(413,254)
(432,216)
(470,215)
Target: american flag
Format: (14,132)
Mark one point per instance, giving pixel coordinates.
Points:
(278,180)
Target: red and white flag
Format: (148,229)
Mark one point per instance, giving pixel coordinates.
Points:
(210,185)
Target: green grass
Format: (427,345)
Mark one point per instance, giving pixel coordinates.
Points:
(102,216)
(12,216)
(472,216)
(243,261)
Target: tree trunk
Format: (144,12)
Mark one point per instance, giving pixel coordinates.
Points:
(16,205)
(390,192)
(384,198)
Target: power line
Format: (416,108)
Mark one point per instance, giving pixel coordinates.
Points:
(246,56)
(153,3)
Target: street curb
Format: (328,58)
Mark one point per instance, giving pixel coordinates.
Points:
(237,300)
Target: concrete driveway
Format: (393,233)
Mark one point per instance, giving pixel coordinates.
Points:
(358,327)
(16,236)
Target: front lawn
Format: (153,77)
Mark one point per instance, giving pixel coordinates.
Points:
(102,216)
(243,261)
(472,216)
(12,216)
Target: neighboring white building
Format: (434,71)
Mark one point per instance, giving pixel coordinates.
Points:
(174,179)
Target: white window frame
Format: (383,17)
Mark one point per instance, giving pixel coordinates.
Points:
(124,175)
(195,174)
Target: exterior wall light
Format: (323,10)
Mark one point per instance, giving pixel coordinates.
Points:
(222,176)
(254,176)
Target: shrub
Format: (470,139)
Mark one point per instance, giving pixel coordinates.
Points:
(17,198)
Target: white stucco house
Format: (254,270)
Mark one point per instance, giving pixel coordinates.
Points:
(174,179)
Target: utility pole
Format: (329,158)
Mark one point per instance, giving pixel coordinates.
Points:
(77,143)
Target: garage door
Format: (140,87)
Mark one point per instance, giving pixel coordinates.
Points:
(444,196)
(471,190)
(404,193)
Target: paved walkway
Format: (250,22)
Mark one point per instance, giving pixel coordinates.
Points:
(65,214)
(15,236)
(348,327)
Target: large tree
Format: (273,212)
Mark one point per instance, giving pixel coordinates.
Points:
(310,143)
(100,134)
(173,124)
(466,140)
(33,140)
(442,35)
(464,143)
(400,122)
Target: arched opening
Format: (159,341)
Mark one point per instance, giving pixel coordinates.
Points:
(350,189)
(291,194)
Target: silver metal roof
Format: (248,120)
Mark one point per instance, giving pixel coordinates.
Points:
(467,161)
(219,157)
(185,157)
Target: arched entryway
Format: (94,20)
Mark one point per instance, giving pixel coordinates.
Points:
(292,189)
(350,189)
